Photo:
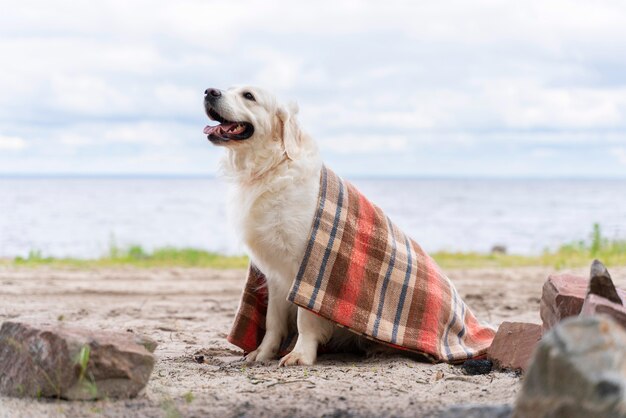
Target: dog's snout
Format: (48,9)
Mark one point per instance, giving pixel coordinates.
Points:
(212,94)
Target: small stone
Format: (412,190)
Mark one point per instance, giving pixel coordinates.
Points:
(72,363)
(513,345)
(477,366)
(498,249)
(601,283)
(578,371)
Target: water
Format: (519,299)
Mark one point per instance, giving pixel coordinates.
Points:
(81,217)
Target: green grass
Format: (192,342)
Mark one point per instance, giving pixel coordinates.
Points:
(138,257)
(575,254)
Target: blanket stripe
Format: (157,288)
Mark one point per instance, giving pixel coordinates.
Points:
(362,272)
(249,327)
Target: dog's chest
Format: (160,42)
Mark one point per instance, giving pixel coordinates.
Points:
(276,224)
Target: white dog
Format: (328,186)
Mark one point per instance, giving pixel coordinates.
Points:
(275,170)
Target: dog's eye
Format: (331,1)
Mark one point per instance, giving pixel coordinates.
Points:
(249,96)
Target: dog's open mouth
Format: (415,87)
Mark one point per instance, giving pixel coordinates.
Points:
(227,130)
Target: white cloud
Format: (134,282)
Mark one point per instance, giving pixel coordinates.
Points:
(12,143)
(151,134)
(543,153)
(87,95)
(368,144)
(619,154)
(276,69)
(524,104)
(76,140)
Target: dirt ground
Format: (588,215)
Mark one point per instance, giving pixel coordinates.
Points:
(189,312)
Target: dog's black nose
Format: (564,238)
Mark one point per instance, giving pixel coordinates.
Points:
(211,94)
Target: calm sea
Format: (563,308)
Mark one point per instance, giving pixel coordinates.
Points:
(81,217)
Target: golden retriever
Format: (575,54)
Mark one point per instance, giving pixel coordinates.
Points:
(274,168)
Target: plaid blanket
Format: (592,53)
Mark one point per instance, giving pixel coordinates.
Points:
(361,272)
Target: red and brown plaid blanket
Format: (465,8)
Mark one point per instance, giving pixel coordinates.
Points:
(361,272)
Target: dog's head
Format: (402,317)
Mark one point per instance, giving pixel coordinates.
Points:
(250,120)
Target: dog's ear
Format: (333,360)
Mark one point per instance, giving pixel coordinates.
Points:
(290,134)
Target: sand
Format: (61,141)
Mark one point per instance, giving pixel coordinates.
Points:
(189,312)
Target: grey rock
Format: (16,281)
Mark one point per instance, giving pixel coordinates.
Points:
(477,411)
(578,371)
(72,363)
(601,283)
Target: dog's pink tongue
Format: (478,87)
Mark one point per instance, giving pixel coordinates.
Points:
(208,130)
(221,129)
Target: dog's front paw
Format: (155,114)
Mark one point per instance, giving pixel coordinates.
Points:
(297,358)
(259,355)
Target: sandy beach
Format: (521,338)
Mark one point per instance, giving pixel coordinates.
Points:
(189,312)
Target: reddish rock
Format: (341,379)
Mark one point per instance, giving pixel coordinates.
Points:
(46,361)
(513,345)
(563,296)
(595,304)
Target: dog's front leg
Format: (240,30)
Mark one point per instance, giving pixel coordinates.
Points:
(276,323)
(312,331)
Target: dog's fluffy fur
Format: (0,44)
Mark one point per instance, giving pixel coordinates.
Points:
(275,177)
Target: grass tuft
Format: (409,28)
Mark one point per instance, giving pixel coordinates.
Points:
(574,254)
(136,256)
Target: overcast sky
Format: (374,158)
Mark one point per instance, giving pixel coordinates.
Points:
(447,88)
